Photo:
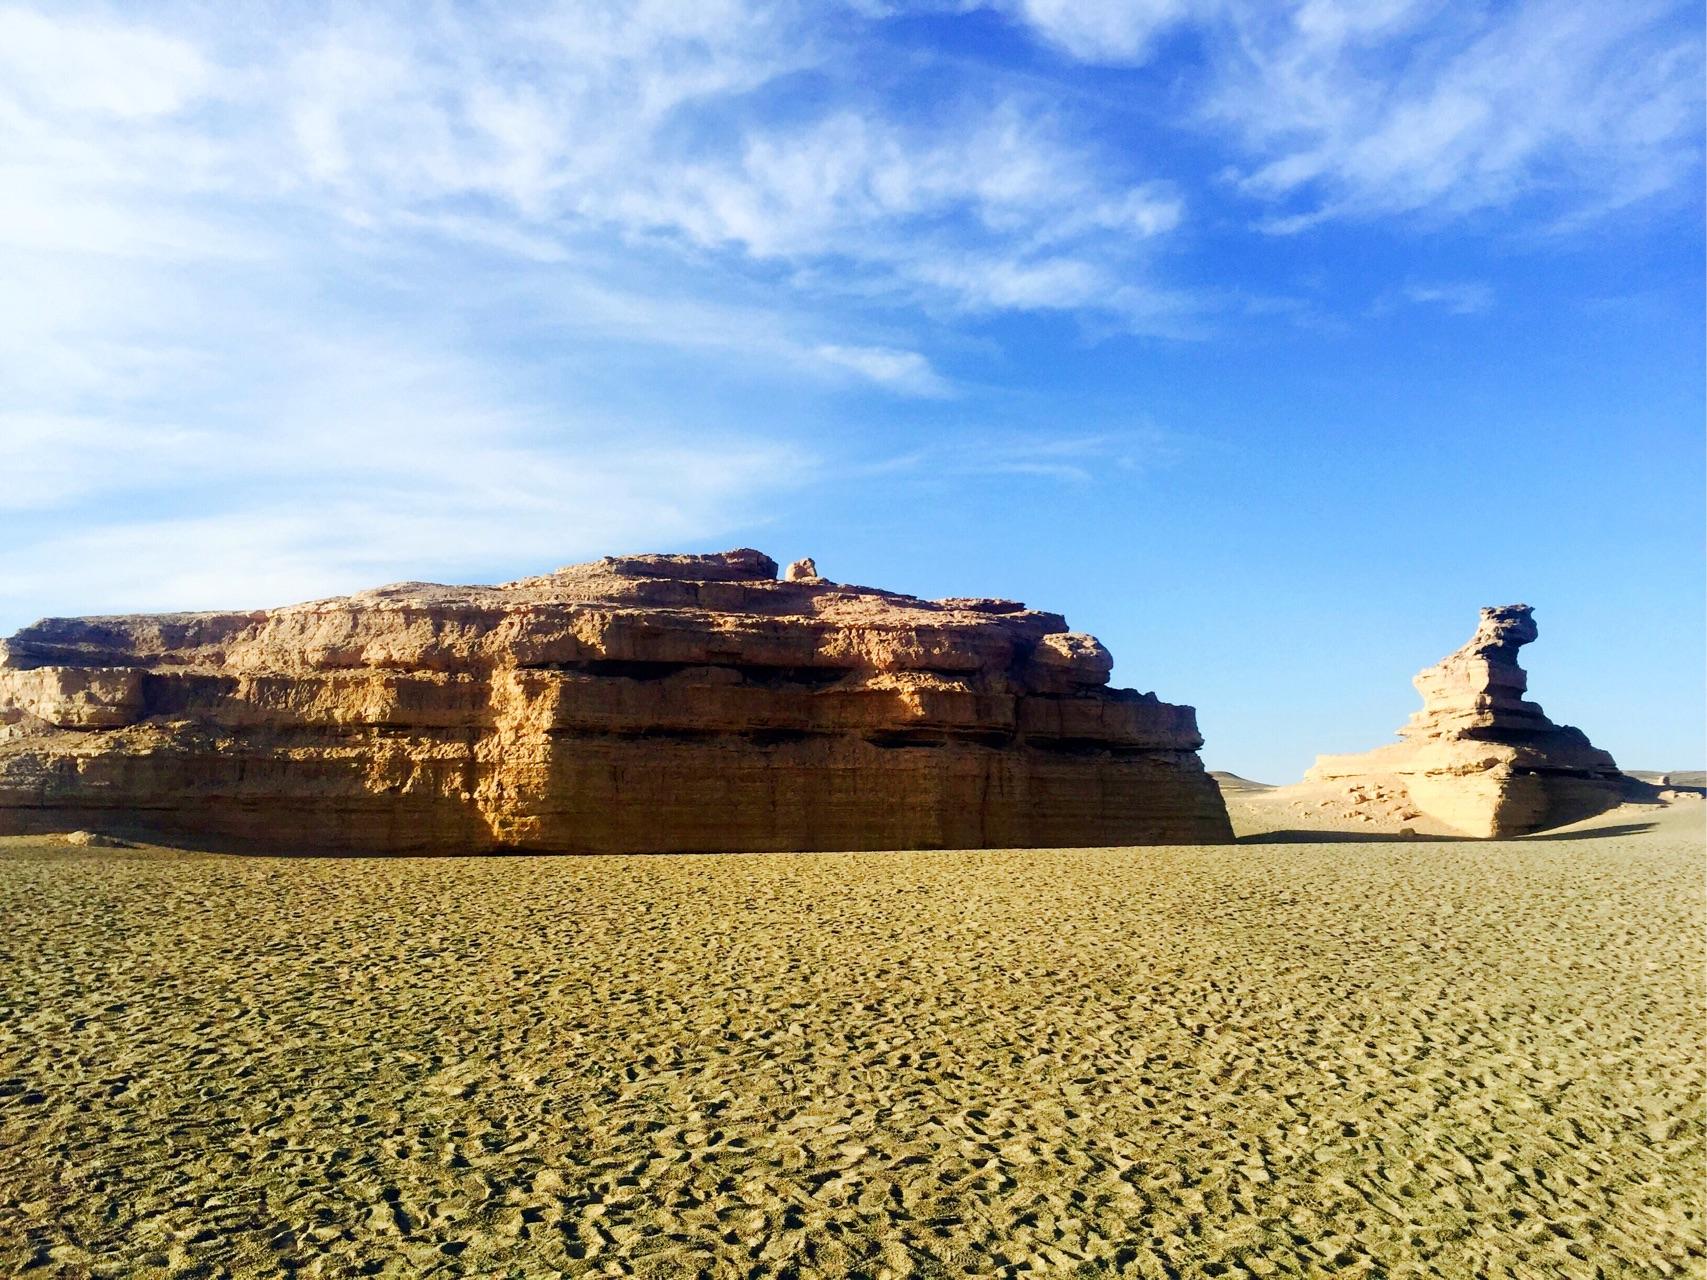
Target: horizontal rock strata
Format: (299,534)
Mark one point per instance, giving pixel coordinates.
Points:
(1478,757)
(648,703)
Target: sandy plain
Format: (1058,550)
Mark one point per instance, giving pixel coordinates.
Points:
(1341,1058)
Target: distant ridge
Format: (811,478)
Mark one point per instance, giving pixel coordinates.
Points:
(1688,778)
(1233,782)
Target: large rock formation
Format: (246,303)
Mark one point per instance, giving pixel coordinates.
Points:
(1477,757)
(646,703)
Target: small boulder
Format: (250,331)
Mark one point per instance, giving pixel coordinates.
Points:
(95,840)
(802,570)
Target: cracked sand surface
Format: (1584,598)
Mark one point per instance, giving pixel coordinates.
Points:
(1387,1059)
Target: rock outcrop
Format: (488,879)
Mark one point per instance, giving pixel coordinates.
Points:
(647,703)
(1478,757)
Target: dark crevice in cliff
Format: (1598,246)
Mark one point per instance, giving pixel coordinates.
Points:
(647,671)
(907,738)
(886,739)
(778,737)
(1085,747)
(647,733)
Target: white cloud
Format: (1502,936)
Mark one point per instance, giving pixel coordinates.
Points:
(1412,107)
(1108,31)
(647,122)
(887,367)
(1004,213)
(1072,458)
(637,125)
(1460,297)
(55,461)
(97,66)
(354,464)
(1370,108)
(323,294)
(285,316)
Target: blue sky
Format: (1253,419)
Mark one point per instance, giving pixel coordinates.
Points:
(1266,342)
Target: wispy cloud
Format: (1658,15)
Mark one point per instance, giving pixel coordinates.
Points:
(286,316)
(94,66)
(1351,109)
(657,125)
(887,367)
(357,463)
(1107,31)
(1460,297)
(1408,107)
(317,294)
(623,137)
(1448,297)
(1079,458)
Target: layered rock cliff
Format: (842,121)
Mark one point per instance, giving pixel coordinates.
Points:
(650,703)
(1478,757)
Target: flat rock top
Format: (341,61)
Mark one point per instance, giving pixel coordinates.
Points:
(735,596)
(738,581)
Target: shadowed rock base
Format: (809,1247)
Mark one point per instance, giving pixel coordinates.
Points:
(1477,757)
(646,704)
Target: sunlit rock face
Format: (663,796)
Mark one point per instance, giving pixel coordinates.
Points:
(648,703)
(1480,758)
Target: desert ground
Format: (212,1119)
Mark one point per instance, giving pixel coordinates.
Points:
(1340,1057)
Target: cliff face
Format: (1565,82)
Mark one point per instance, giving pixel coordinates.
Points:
(652,703)
(1479,757)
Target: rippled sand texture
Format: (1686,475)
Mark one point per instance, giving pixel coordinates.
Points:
(1380,1059)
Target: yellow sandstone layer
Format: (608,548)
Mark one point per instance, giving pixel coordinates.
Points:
(1478,758)
(654,703)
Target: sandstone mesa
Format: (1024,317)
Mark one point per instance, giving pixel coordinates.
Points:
(1478,757)
(642,703)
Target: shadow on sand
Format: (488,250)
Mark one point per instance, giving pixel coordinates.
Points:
(1297,836)
(1387,837)
(1594,833)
